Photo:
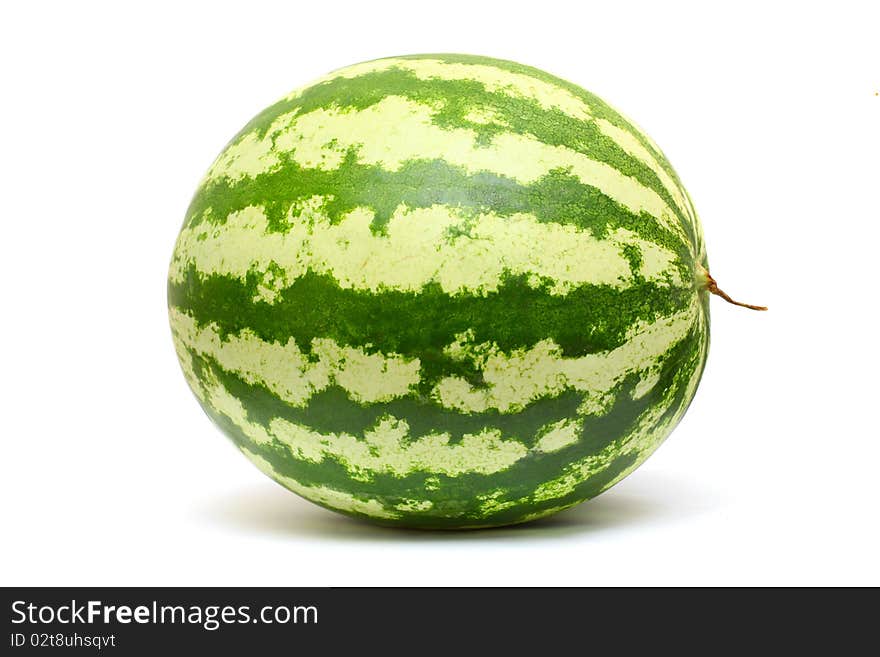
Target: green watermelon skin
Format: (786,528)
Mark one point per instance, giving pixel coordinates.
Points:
(442,291)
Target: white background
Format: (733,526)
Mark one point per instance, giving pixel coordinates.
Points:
(112,475)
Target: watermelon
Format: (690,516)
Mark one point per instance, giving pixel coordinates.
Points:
(442,291)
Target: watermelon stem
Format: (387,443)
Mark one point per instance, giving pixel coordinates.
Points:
(712,286)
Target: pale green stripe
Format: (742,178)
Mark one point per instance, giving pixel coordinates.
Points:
(438,244)
(386,448)
(630,144)
(295,376)
(330,497)
(513,380)
(397,130)
(547,95)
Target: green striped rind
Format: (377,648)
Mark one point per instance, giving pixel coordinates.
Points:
(441,291)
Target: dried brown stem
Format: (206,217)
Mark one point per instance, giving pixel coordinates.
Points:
(712,286)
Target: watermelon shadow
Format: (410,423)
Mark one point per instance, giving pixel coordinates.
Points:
(646,499)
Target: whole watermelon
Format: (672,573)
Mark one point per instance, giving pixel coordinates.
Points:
(442,291)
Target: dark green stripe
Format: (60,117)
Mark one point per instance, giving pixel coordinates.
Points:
(557,197)
(599,109)
(589,319)
(333,411)
(456,98)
